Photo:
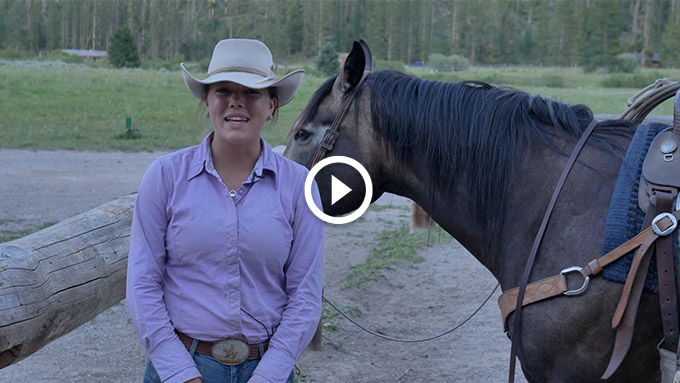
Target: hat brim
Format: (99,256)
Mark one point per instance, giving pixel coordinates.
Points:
(286,86)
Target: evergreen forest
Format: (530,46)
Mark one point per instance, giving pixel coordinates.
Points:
(589,33)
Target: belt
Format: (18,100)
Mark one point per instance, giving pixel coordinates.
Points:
(205,348)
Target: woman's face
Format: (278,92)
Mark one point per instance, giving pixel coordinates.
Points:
(237,113)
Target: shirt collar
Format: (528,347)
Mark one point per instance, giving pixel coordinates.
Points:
(201,157)
(266,164)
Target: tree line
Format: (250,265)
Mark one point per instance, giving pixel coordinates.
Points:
(538,32)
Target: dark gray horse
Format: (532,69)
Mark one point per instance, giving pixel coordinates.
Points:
(483,162)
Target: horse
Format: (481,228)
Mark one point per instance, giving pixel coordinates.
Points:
(482,161)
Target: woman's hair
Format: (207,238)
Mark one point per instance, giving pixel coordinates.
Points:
(275,114)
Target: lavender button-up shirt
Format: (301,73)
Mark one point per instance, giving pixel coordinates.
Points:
(203,262)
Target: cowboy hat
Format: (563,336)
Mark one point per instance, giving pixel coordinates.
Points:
(248,63)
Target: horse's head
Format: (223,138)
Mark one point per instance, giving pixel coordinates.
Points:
(355,138)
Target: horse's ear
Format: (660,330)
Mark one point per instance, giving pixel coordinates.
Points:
(358,61)
(367,53)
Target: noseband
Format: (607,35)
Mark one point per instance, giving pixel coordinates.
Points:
(331,134)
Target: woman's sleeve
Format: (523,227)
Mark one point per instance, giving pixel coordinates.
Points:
(304,281)
(146,266)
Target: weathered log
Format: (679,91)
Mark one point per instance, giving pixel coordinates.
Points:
(54,280)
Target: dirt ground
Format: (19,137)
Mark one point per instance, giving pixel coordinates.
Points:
(413,301)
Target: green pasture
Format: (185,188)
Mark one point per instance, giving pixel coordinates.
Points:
(52,105)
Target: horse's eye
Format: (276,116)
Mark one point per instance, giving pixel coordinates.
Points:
(302,135)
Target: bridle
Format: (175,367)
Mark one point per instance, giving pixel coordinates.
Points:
(331,134)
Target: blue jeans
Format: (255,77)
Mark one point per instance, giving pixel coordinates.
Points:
(214,372)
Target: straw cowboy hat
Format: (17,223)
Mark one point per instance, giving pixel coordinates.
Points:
(248,63)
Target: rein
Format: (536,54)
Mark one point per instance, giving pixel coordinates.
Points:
(401,340)
(517,328)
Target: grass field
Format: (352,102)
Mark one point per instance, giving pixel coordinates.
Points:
(52,105)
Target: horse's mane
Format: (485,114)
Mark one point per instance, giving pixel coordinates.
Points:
(423,119)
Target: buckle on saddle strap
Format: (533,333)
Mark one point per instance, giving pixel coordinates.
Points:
(586,280)
(663,232)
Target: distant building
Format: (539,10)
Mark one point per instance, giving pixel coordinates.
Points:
(87,55)
(654,59)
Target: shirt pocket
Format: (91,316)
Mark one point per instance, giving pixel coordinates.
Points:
(200,236)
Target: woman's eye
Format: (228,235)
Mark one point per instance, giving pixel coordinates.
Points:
(301,135)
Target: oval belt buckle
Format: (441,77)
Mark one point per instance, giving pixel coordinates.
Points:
(230,352)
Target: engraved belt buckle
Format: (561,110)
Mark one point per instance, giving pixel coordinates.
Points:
(230,352)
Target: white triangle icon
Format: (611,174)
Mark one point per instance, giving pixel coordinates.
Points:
(338,190)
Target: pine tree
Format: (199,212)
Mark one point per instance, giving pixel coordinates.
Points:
(328,61)
(295,27)
(123,50)
(670,45)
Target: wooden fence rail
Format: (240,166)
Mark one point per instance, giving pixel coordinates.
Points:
(57,279)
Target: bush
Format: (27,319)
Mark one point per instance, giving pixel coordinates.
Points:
(453,62)
(441,76)
(626,63)
(313,71)
(58,55)
(328,60)
(552,81)
(123,50)
(171,64)
(384,64)
(14,53)
(635,81)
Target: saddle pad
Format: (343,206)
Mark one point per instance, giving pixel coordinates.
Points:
(624,220)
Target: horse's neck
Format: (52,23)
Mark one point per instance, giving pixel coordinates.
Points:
(577,224)
(446,206)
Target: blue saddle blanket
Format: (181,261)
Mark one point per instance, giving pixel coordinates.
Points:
(625,218)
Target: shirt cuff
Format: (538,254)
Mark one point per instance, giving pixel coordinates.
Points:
(173,363)
(274,367)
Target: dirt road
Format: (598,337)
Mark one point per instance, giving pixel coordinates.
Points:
(414,300)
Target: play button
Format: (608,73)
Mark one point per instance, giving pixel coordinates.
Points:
(338,190)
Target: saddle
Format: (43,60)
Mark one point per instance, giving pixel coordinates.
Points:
(657,196)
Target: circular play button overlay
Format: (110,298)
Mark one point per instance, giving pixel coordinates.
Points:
(338,190)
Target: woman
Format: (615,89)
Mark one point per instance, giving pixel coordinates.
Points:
(225,265)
